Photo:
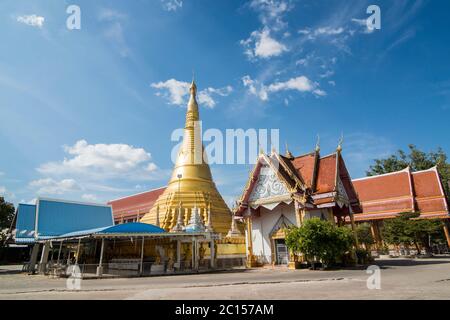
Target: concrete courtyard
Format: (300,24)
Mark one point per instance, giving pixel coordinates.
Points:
(400,279)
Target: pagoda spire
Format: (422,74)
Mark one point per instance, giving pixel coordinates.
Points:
(191,182)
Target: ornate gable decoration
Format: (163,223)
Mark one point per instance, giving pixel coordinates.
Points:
(342,197)
(268,186)
(278,230)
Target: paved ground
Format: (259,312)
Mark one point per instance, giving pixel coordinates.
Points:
(400,279)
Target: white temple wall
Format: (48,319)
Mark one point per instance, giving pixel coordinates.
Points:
(262,227)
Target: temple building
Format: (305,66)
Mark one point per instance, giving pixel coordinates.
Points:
(284,191)
(386,196)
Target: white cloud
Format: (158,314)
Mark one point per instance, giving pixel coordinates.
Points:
(115,30)
(32,20)
(89,197)
(271,12)
(261,45)
(176,92)
(172,5)
(49,186)
(301,84)
(321,31)
(2,190)
(363,24)
(255,88)
(102,161)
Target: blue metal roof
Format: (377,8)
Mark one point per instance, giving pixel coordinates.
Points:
(26,218)
(56,217)
(125,229)
(134,227)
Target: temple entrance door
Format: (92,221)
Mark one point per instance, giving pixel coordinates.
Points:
(281,251)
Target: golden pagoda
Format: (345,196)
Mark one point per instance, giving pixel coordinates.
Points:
(191,187)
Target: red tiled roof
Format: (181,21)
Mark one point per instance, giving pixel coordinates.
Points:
(304,167)
(326,174)
(135,204)
(430,197)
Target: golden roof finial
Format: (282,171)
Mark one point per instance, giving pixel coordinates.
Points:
(261,150)
(193,88)
(318,144)
(341,141)
(288,154)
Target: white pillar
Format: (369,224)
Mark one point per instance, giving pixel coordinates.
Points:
(100,264)
(142,257)
(59,251)
(33,258)
(44,257)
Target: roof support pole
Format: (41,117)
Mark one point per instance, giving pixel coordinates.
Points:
(33,258)
(193,254)
(212,250)
(446,231)
(44,257)
(59,252)
(100,264)
(196,260)
(78,252)
(141,270)
(352,219)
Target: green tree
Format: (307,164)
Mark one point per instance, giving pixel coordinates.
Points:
(320,239)
(408,230)
(6,213)
(365,235)
(417,160)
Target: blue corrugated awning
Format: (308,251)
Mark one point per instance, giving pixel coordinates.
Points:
(135,227)
(125,229)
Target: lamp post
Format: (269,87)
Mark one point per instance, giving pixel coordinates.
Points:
(179,224)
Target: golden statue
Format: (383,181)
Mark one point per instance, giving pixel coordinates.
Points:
(191,184)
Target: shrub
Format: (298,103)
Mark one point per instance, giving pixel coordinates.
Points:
(319,239)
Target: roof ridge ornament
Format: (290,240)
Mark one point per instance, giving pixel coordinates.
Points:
(341,141)
(288,154)
(317,149)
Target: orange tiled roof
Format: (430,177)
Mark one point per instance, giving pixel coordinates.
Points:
(385,196)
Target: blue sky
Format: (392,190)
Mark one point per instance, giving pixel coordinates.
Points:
(88,114)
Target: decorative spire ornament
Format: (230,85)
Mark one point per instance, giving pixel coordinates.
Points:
(288,154)
(179,226)
(341,141)
(318,144)
(234,231)
(195,222)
